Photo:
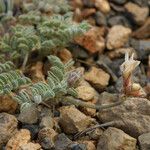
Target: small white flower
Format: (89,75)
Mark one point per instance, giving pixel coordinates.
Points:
(129,65)
(127,68)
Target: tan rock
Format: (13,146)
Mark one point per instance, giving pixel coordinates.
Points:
(97,77)
(95,134)
(36,72)
(47,137)
(121,52)
(72,120)
(87,84)
(134,115)
(143,31)
(85,93)
(89,145)
(117,37)
(102,5)
(47,121)
(8,127)
(89,111)
(92,40)
(116,139)
(29,114)
(140,14)
(7,104)
(88,12)
(65,55)
(21,138)
(30,146)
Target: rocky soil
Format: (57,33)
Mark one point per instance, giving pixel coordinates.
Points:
(117,27)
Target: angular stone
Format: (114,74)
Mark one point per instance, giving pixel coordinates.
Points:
(116,139)
(76,146)
(117,37)
(47,137)
(133,116)
(100,19)
(143,31)
(86,93)
(7,104)
(8,127)
(144,141)
(102,5)
(62,142)
(29,115)
(92,40)
(89,111)
(31,146)
(139,14)
(21,138)
(72,120)
(118,20)
(89,145)
(97,77)
(47,121)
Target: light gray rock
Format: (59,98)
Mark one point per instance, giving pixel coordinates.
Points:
(133,116)
(116,139)
(29,115)
(8,127)
(144,141)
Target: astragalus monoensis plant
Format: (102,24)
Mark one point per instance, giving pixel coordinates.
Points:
(127,68)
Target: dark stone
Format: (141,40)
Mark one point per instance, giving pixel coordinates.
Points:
(78,51)
(142,47)
(34,129)
(62,142)
(47,143)
(120,2)
(118,20)
(77,146)
(100,18)
(56,113)
(88,3)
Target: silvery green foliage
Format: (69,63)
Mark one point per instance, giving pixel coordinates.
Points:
(58,31)
(32,17)
(6,9)
(55,87)
(53,6)
(6,66)
(21,40)
(52,34)
(11,79)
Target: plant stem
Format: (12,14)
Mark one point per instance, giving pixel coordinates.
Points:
(94,127)
(78,102)
(25,61)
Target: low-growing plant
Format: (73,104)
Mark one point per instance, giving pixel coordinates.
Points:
(48,6)
(50,35)
(6,10)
